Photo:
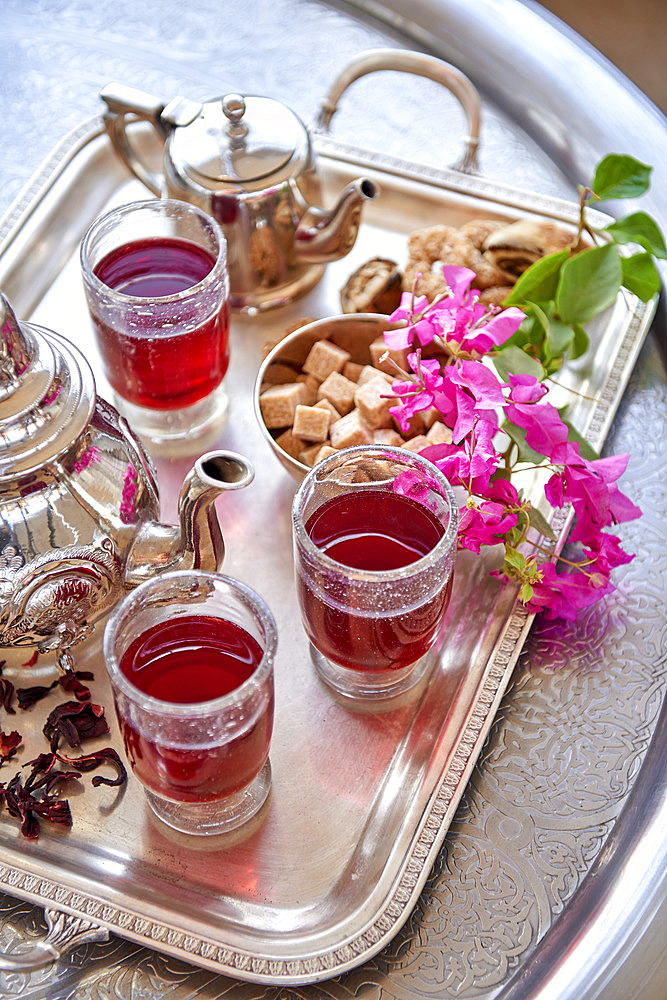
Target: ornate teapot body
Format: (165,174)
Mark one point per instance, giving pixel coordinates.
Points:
(78,498)
(248,162)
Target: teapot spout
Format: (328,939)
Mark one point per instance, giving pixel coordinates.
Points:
(197,541)
(322,237)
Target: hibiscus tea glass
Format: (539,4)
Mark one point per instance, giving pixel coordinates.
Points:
(157,286)
(190,656)
(374,533)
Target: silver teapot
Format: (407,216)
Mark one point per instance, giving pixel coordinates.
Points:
(79,503)
(248,161)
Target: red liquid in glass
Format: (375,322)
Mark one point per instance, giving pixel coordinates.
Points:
(372,530)
(193,659)
(162,372)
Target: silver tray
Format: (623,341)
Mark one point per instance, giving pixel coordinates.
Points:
(361,802)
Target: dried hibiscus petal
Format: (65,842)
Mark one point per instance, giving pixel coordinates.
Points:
(9,744)
(71,680)
(22,802)
(6,694)
(27,697)
(88,762)
(74,722)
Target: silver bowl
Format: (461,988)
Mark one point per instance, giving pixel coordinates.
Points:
(352,331)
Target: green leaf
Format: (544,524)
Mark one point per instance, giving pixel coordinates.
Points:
(642,229)
(514,559)
(588,283)
(541,323)
(538,283)
(513,359)
(618,176)
(580,342)
(526,593)
(518,436)
(640,276)
(540,523)
(559,338)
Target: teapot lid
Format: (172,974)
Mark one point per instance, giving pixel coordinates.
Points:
(47,395)
(241,141)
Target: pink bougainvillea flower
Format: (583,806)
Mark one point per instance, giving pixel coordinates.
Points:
(459,280)
(525,388)
(565,594)
(416,312)
(416,394)
(484,524)
(478,393)
(471,400)
(471,464)
(591,489)
(494,331)
(543,424)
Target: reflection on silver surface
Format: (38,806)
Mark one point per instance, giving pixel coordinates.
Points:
(577,723)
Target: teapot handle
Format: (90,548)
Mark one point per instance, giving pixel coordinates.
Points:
(126,105)
(422,65)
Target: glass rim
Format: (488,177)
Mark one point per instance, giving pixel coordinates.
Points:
(220,263)
(376,576)
(195,708)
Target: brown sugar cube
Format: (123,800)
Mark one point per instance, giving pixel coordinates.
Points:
(311,423)
(325,358)
(279,402)
(431,416)
(417,443)
(339,391)
(352,370)
(326,405)
(324,452)
(368,373)
(350,430)
(309,455)
(373,400)
(279,374)
(385,435)
(289,443)
(378,348)
(439,433)
(312,385)
(415,426)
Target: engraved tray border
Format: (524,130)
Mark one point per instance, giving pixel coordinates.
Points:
(30,881)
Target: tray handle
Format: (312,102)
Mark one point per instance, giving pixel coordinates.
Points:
(420,64)
(65,933)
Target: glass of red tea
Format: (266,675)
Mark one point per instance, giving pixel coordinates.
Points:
(190,656)
(374,532)
(157,287)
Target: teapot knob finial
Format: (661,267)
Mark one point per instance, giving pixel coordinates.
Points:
(233,107)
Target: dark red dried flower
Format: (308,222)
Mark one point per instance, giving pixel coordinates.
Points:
(23,803)
(6,695)
(88,762)
(74,722)
(71,681)
(27,697)
(9,744)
